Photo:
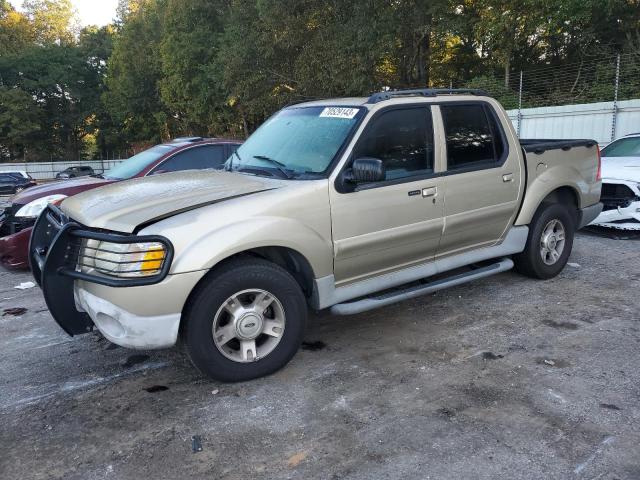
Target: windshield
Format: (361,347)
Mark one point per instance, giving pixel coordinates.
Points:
(134,165)
(626,147)
(297,141)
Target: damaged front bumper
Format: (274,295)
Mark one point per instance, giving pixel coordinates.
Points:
(621,201)
(55,255)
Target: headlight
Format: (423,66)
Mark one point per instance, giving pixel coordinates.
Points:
(33,209)
(128,260)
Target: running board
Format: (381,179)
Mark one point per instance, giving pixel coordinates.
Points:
(376,301)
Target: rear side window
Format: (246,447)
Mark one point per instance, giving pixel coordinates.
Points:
(197,158)
(473,137)
(403,139)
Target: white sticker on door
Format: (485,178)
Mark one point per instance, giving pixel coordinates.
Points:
(339,112)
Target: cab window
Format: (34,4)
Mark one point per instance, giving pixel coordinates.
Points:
(403,139)
(473,137)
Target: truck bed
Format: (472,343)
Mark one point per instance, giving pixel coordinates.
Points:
(552,162)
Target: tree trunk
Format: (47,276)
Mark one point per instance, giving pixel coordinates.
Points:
(424,60)
(507,69)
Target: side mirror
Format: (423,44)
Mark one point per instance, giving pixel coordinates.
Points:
(366,170)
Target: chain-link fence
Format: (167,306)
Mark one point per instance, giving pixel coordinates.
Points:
(48,170)
(608,81)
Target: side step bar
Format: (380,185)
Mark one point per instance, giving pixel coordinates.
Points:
(369,303)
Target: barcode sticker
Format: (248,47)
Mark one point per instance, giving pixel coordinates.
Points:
(339,112)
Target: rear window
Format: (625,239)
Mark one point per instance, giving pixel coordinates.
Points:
(473,137)
(625,147)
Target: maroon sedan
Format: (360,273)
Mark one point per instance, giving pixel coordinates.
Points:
(180,154)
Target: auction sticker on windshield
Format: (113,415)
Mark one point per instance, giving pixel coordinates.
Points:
(339,112)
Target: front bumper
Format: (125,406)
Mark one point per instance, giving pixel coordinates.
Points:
(621,205)
(55,252)
(621,218)
(125,328)
(14,250)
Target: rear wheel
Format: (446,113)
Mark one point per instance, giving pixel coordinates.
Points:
(246,320)
(549,243)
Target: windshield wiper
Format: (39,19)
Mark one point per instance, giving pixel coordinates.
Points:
(230,167)
(279,165)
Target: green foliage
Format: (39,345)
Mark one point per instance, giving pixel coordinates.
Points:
(495,87)
(220,67)
(53,20)
(19,122)
(134,72)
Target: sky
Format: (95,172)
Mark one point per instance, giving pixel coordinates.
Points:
(90,12)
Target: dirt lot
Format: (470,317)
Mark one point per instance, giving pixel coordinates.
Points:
(505,378)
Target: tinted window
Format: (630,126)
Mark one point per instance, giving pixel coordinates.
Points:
(197,158)
(472,136)
(5,177)
(402,139)
(626,147)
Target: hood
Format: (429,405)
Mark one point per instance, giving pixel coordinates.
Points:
(621,168)
(67,187)
(123,206)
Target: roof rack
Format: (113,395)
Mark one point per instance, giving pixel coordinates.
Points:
(425,92)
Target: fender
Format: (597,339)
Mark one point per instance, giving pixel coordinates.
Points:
(209,249)
(548,181)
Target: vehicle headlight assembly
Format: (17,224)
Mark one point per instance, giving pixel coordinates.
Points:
(124,260)
(34,208)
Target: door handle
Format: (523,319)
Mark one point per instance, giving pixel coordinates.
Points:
(430,192)
(507,177)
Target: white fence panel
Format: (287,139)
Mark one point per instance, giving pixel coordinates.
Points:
(48,170)
(588,120)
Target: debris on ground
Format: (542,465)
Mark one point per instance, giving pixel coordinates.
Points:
(574,265)
(196,443)
(549,362)
(610,406)
(16,312)
(215,392)
(25,285)
(296,459)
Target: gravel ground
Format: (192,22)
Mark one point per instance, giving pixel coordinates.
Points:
(504,378)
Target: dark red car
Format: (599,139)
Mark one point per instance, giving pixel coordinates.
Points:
(180,154)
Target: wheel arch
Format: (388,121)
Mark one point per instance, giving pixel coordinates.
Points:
(287,258)
(566,195)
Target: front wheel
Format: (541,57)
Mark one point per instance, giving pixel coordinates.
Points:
(549,243)
(246,320)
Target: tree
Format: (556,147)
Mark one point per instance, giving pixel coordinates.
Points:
(134,71)
(16,32)
(19,123)
(54,21)
(190,85)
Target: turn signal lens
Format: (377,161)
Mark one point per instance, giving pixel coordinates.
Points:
(152,260)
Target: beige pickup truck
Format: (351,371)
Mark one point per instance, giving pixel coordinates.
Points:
(348,204)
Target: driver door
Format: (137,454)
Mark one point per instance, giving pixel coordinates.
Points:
(383,226)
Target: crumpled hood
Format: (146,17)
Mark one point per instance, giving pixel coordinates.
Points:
(65,187)
(621,168)
(123,206)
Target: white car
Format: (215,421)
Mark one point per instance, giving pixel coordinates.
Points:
(621,184)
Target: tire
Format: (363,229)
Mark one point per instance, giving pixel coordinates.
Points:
(538,259)
(238,286)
